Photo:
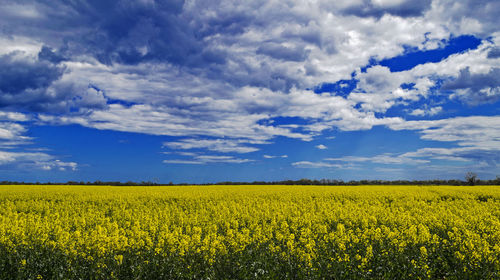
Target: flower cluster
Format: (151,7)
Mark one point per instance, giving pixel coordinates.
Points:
(265,232)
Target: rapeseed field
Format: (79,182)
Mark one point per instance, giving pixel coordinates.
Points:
(250,232)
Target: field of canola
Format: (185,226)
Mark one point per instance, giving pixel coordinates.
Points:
(250,232)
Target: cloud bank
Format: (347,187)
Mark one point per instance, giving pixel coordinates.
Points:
(218,74)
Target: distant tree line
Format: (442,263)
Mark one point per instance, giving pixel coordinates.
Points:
(329,182)
(470,180)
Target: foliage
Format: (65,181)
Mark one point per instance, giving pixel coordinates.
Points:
(302,182)
(249,232)
(471,178)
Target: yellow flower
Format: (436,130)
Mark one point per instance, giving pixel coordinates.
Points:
(423,251)
(119,259)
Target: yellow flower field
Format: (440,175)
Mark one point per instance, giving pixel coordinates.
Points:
(250,232)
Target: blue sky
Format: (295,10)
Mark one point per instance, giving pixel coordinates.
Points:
(208,91)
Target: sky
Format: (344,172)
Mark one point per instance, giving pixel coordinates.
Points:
(208,91)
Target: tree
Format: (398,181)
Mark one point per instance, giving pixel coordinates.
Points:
(471,178)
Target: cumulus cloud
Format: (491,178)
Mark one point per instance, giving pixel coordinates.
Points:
(468,76)
(476,88)
(377,8)
(494,53)
(24,82)
(380,89)
(282,52)
(321,147)
(469,16)
(37,85)
(14,116)
(50,55)
(427,111)
(216,73)
(233,42)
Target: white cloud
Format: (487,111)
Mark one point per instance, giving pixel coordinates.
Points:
(321,147)
(13,116)
(22,11)
(427,111)
(255,86)
(38,160)
(11,134)
(175,161)
(309,164)
(379,89)
(238,77)
(269,157)
(436,162)
(187,154)
(204,159)
(12,137)
(473,131)
(226,159)
(23,44)
(219,145)
(382,159)
(476,139)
